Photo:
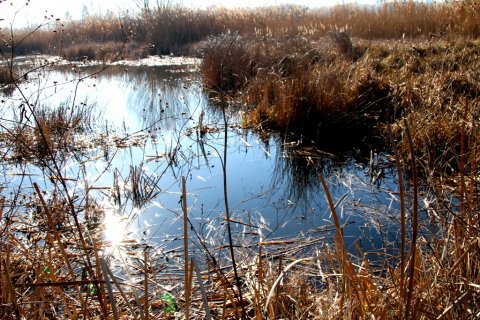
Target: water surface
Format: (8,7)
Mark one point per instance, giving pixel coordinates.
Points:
(155,124)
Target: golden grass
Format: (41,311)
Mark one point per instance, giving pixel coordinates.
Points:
(175,29)
(310,88)
(426,87)
(279,282)
(42,257)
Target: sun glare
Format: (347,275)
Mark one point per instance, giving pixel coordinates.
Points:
(115,228)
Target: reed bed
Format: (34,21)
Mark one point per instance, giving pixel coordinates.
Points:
(423,88)
(57,264)
(166,29)
(319,89)
(280,279)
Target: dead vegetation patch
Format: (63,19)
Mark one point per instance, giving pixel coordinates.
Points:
(48,134)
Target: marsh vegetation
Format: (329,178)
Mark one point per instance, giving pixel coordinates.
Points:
(300,164)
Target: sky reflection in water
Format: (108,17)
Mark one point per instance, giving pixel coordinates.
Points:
(154,113)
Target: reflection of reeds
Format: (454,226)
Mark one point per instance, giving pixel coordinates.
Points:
(7,76)
(143,188)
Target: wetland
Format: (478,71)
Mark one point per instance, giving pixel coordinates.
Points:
(253,164)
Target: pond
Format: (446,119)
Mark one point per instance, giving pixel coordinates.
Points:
(151,124)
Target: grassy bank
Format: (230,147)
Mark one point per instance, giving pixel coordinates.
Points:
(406,73)
(406,68)
(302,74)
(324,90)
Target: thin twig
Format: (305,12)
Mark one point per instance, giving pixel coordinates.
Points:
(413,247)
(185,250)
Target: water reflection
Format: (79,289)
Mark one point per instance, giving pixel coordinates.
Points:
(158,126)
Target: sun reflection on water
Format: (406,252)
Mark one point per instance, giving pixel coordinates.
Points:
(115,229)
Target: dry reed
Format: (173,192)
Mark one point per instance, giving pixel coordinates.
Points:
(168,29)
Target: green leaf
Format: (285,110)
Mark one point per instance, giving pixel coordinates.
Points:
(92,289)
(170,303)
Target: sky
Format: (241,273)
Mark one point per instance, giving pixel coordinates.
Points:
(36,10)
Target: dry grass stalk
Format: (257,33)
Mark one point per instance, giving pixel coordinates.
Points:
(52,225)
(10,293)
(187,275)
(146,310)
(413,246)
(403,235)
(106,278)
(194,264)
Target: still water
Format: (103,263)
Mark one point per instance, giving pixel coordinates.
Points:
(153,124)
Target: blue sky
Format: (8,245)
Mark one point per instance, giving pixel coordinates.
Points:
(36,10)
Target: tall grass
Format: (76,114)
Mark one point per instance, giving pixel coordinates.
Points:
(314,89)
(294,83)
(176,29)
(51,136)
